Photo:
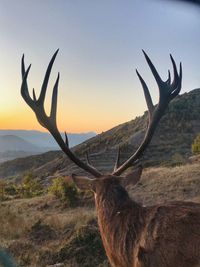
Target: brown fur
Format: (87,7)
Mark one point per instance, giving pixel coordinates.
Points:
(157,236)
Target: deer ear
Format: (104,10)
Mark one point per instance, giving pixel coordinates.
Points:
(83,182)
(133,177)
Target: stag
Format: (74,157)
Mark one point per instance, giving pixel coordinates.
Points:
(166,235)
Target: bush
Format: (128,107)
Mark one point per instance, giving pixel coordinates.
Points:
(64,190)
(30,186)
(2,190)
(7,190)
(11,189)
(196,145)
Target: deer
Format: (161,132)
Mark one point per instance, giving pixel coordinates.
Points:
(133,235)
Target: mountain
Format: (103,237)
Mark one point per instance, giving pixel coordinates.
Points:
(15,143)
(45,140)
(171,143)
(21,143)
(12,147)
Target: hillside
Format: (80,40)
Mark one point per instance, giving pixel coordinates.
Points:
(170,145)
(21,165)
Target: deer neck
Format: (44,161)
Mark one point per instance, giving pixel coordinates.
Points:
(119,220)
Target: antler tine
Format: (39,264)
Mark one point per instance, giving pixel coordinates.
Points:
(147,95)
(116,166)
(169,77)
(34,95)
(176,77)
(24,86)
(88,159)
(49,122)
(22,66)
(54,100)
(66,140)
(167,92)
(153,69)
(177,89)
(46,78)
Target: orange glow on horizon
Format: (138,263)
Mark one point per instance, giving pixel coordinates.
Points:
(25,121)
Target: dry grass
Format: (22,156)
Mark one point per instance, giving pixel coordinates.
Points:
(17,216)
(41,232)
(168,184)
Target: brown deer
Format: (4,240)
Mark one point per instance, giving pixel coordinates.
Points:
(133,236)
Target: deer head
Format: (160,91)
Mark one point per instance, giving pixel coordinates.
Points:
(112,199)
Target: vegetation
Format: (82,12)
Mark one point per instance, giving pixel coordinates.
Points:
(7,190)
(37,232)
(30,186)
(65,191)
(196,145)
(2,189)
(11,189)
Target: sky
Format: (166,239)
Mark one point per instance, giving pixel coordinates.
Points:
(100,44)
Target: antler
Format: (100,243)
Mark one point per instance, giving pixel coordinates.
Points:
(49,122)
(167,91)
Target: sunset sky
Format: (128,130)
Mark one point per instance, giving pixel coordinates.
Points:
(100,44)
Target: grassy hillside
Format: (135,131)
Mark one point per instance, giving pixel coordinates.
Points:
(171,144)
(21,165)
(43,231)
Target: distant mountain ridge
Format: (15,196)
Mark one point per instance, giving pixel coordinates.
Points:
(12,146)
(15,143)
(45,140)
(21,143)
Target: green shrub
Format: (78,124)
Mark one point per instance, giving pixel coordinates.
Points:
(2,190)
(7,190)
(64,190)
(30,187)
(11,189)
(196,145)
